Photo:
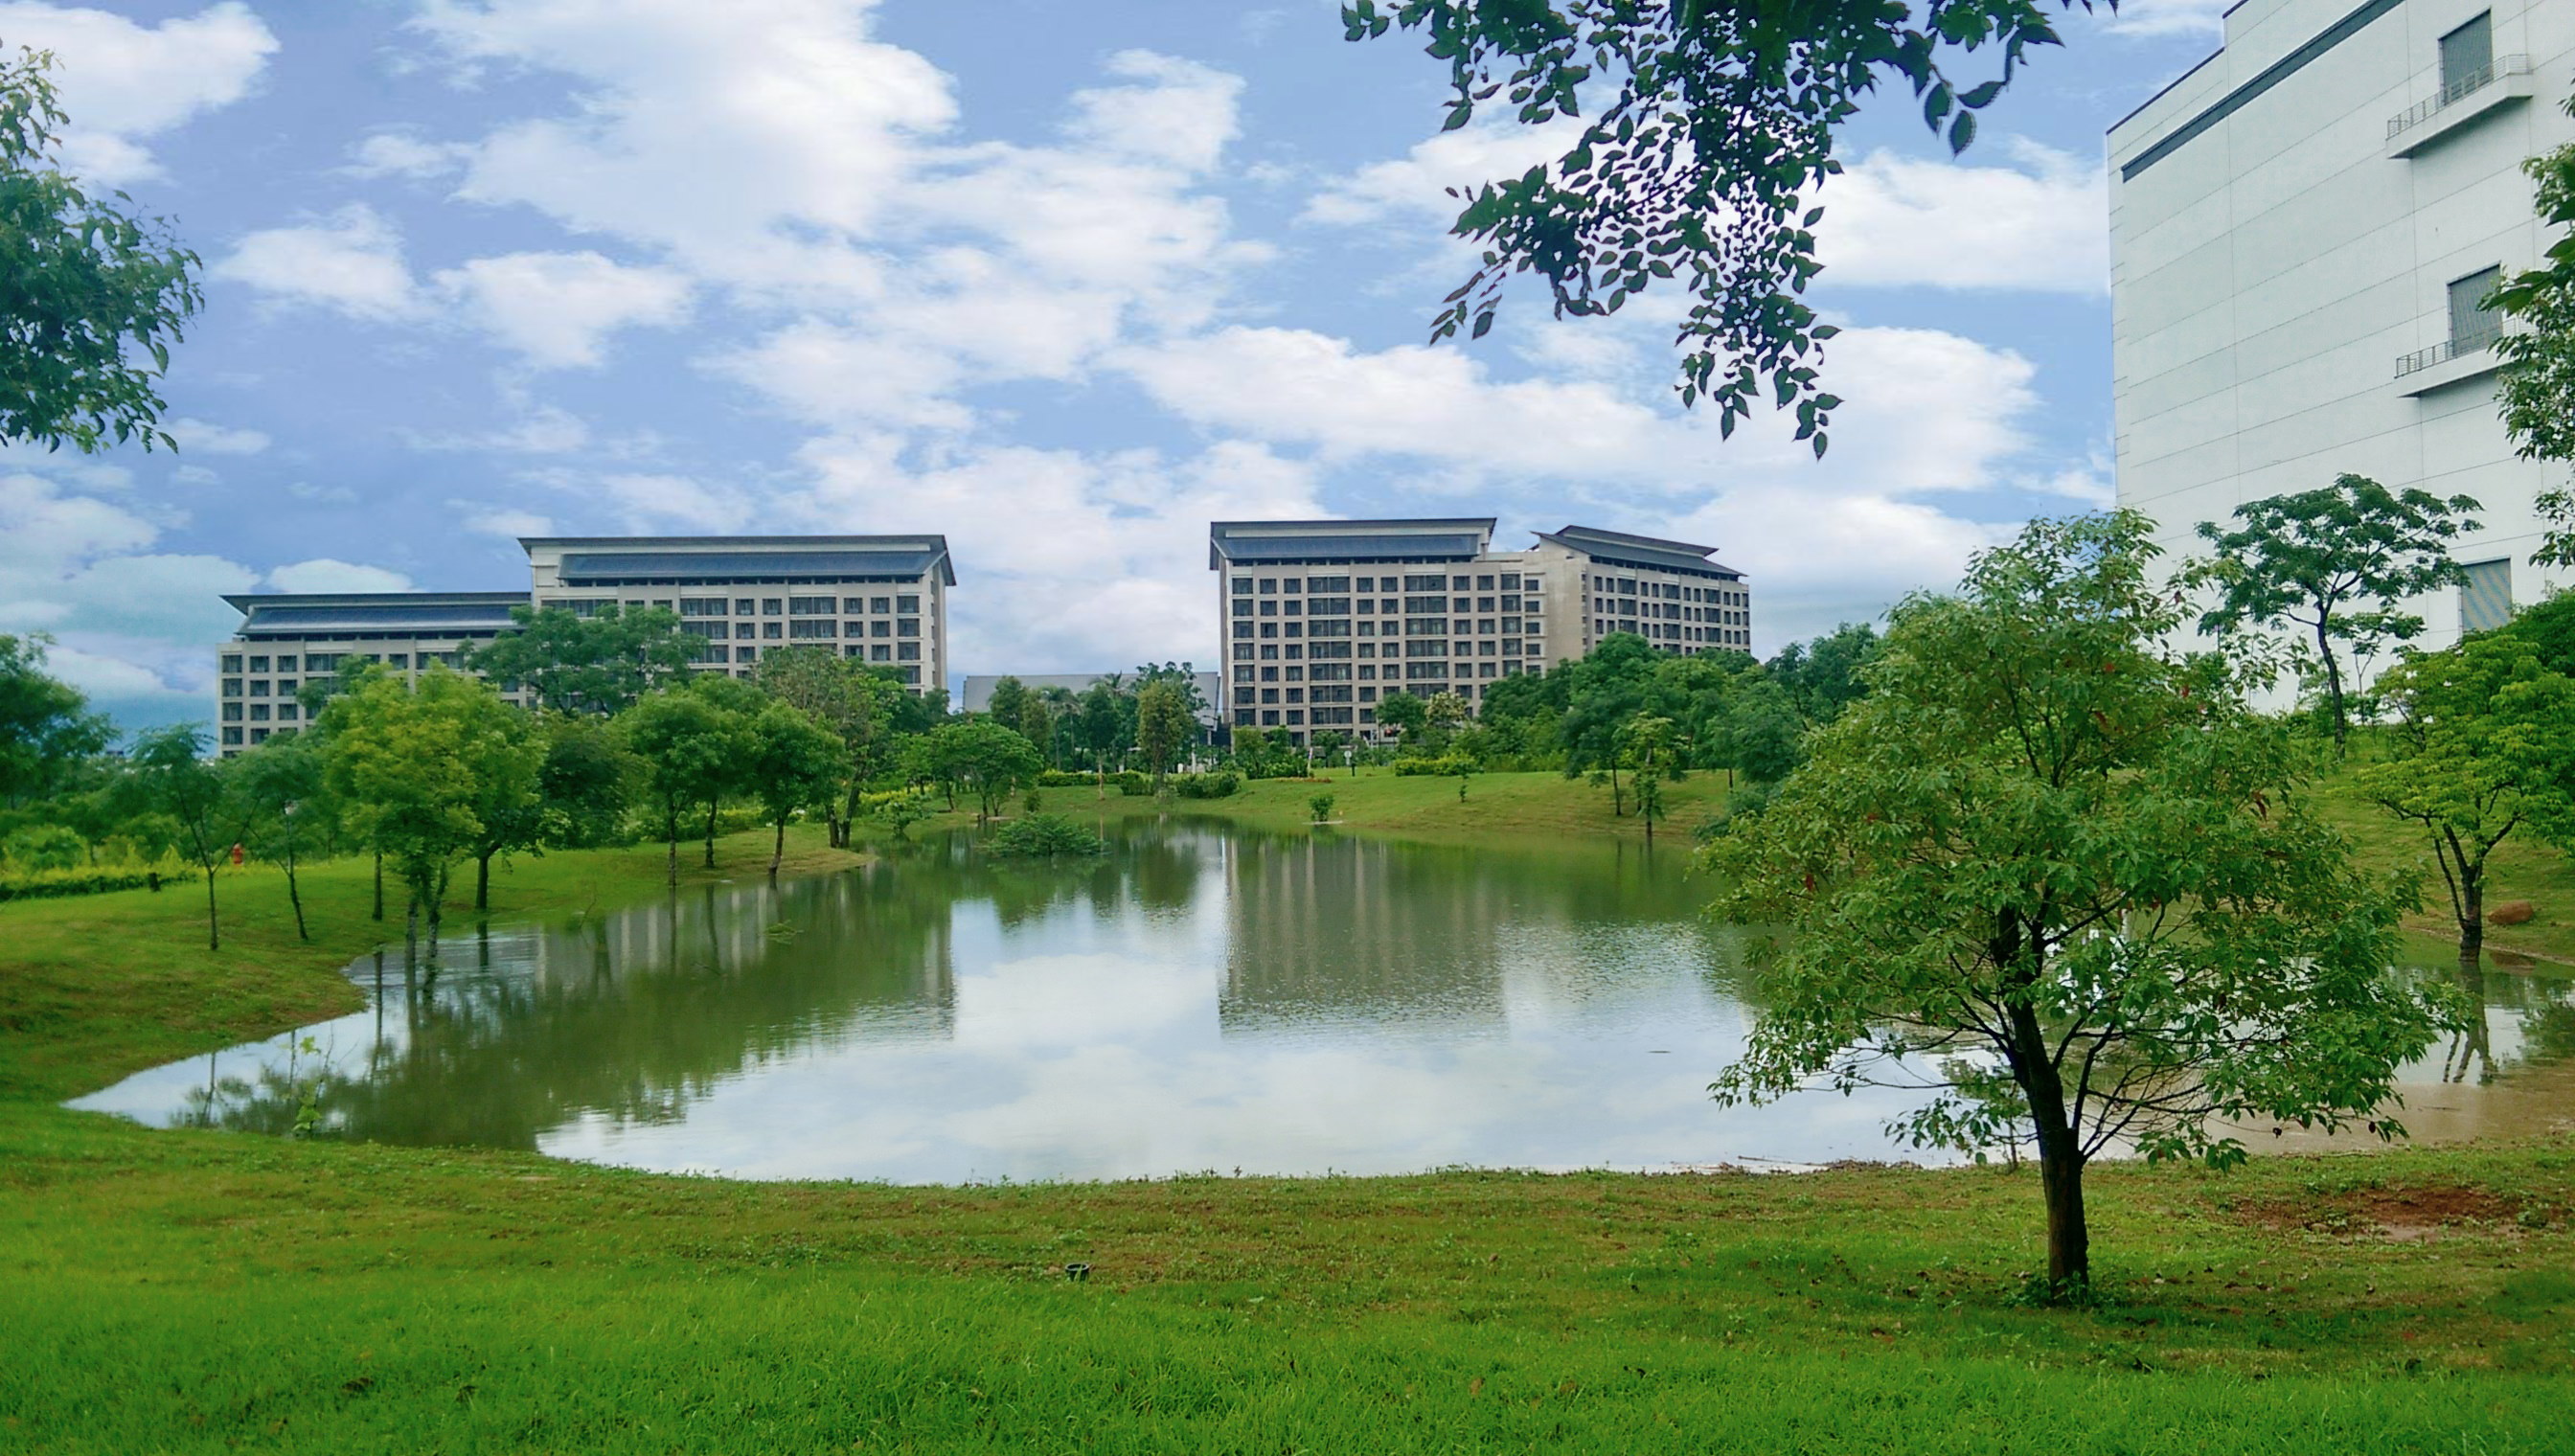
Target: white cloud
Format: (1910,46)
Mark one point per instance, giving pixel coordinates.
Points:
(2040,225)
(401,154)
(505,522)
(350,262)
(123,83)
(2149,18)
(198,435)
(555,308)
(323,495)
(325,574)
(1413,189)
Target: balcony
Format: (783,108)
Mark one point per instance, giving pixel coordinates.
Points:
(2499,83)
(2447,363)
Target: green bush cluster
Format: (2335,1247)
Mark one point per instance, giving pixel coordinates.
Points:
(1216,783)
(1443,766)
(29,885)
(1042,836)
(1126,780)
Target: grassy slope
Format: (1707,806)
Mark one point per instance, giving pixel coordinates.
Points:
(195,1291)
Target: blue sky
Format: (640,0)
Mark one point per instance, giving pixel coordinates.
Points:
(1062,280)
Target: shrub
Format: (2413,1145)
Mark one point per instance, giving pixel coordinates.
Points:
(82,879)
(1218,783)
(1322,804)
(1042,836)
(1446,766)
(44,846)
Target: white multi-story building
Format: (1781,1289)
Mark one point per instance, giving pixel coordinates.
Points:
(1322,618)
(287,641)
(2303,231)
(881,599)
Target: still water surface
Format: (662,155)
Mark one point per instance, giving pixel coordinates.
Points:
(1205,998)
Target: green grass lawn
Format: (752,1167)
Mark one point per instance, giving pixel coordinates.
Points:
(205,1292)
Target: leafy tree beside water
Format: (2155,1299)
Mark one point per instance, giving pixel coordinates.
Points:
(287,808)
(435,772)
(793,765)
(2483,749)
(2068,882)
(180,782)
(2337,562)
(1163,726)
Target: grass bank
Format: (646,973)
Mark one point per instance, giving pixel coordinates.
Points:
(202,1291)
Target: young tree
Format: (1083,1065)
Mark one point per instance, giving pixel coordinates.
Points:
(1103,725)
(1331,744)
(435,772)
(287,809)
(1698,111)
(178,780)
(2339,562)
(1162,726)
(1010,699)
(46,726)
(2484,747)
(791,762)
(863,706)
(87,293)
(981,757)
(600,664)
(586,781)
(1649,745)
(2074,874)
(1404,714)
(690,748)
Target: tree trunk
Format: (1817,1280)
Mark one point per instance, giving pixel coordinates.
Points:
(295,897)
(380,887)
(712,810)
(2472,914)
(2333,683)
(437,907)
(777,849)
(1617,801)
(671,831)
(214,935)
(410,929)
(483,880)
(2060,1158)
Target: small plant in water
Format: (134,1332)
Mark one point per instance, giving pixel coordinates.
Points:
(1042,836)
(308,1089)
(1322,804)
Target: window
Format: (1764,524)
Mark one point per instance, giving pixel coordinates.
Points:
(286,689)
(745,606)
(744,630)
(906,627)
(259,687)
(880,652)
(2473,326)
(906,603)
(232,662)
(824,628)
(853,606)
(2467,58)
(880,605)
(232,712)
(232,686)
(1326,584)
(909,652)
(880,627)
(258,665)
(773,629)
(813,605)
(770,606)
(1242,586)
(2485,598)
(232,737)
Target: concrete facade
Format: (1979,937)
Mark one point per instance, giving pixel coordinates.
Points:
(1321,619)
(289,642)
(2301,230)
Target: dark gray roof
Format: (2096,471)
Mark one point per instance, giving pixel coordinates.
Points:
(1648,552)
(909,560)
(1437,538)
(422,613)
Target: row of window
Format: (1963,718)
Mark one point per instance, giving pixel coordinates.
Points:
(750,606)
(875,653)
(1412,582)
(1665,591)
(1384,605)
(801,628)
(1413,626)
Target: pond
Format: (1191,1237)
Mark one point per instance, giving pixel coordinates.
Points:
(1205,998)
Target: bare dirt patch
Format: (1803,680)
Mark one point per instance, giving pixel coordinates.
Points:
(2399,1214)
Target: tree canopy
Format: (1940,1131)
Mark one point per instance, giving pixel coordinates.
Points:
(600,664)
(46,726)
(1710,123)
(91,297)
(2066,881)
(2339,562)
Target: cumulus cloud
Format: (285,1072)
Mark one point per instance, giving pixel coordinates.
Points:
(2039,225)
(327,574)
(555,308)
(349,261)
(401,154)
(124,83)
(1414,188)
(197,435)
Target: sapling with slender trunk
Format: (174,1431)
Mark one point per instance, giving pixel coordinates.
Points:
(2065,881)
